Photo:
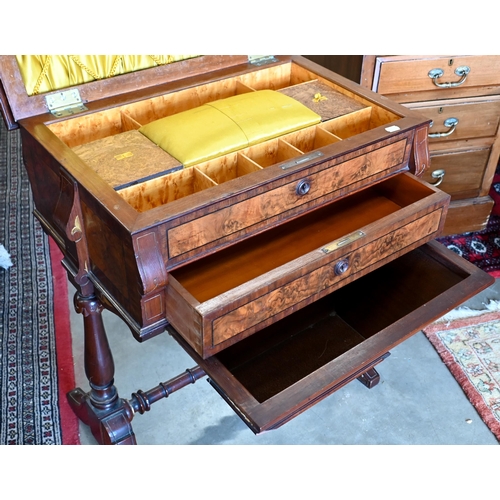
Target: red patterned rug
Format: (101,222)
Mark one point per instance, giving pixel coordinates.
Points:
(481,248)
(36,368)
(468,342)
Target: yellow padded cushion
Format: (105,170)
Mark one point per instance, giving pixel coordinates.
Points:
(196,135)
(227,125)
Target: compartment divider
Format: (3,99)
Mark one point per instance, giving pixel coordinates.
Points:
(247,164)
(241,88)
(289,150)
(201,180)
(349,125)
(128,122)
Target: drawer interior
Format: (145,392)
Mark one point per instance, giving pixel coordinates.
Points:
(281,355)
(213,275)
(158,180)
(272,376)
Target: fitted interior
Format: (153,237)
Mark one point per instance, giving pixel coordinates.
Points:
(162,179)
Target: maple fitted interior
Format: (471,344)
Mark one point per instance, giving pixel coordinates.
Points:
(161,180)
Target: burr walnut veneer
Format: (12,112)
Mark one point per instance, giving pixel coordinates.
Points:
(286,268)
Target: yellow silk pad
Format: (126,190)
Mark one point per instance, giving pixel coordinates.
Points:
(227,125)
(196,135)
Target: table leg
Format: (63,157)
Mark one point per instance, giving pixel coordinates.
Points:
(101,409)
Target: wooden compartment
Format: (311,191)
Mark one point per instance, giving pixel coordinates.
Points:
(343,111)
(311,138)
(272,152)
(289,366)
(232,294)
(167,189)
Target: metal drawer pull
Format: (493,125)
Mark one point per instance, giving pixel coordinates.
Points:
(461,71)
(439,175)
(303,187)
(451,123)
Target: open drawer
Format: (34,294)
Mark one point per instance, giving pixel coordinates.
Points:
(289,366)
(221,299)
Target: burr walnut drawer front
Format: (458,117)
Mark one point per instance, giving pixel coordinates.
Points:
(279,372)
(397,75)
(225,297)
(294,194)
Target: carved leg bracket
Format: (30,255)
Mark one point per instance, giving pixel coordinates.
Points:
(110,426)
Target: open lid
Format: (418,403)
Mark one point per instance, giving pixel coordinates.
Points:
(16,102)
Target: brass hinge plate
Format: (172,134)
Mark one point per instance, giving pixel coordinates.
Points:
(65,103)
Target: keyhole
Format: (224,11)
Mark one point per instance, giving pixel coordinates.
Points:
(302,187)
(341,267)
(450,62)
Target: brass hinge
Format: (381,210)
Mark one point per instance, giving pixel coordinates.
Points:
(261,60)
(65,103)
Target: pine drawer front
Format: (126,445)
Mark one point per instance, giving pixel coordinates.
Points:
(224,298)
(463,170)
(274,375)
(471,214)
(396,76)
(295,194)
(457,119)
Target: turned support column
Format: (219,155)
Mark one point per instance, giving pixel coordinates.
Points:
(99,364)
(101,409)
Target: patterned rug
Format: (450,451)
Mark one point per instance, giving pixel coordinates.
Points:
(36,368)
(468,342)
(482,248)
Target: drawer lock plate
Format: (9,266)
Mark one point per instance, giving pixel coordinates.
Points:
(343,241)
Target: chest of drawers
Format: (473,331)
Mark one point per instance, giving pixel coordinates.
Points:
(285,267)
(461,95)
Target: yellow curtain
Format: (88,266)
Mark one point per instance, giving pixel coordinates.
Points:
(52,72)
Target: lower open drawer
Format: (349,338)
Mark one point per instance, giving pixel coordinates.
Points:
(282,370)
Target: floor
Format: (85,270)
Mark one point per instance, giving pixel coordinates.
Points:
(416,402)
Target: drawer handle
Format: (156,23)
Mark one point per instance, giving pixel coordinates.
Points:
(451,123)
(341,267)
(461,71)
(303,187)
(439,175)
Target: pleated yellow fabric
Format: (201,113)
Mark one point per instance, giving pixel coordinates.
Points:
(45,73)
(227,125)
